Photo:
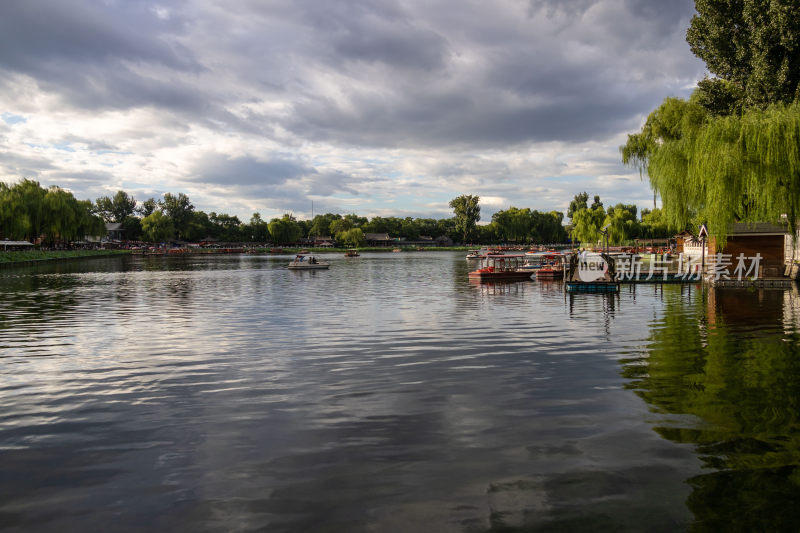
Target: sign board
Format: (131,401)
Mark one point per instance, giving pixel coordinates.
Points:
(703,232)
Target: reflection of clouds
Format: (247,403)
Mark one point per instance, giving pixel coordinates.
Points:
(384,385)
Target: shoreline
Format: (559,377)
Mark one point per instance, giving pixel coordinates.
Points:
(22,258)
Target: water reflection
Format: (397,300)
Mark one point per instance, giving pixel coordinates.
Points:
(385,394)
(724,366)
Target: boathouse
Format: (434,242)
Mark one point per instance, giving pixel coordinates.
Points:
(750,239)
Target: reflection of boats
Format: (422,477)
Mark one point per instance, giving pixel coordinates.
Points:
(307,262)
(351,252)
(498,267)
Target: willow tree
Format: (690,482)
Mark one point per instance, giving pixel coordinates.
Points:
(586,224)
(721,169)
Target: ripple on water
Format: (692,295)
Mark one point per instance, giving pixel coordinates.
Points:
(385,393)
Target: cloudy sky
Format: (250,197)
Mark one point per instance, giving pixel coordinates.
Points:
(374,107)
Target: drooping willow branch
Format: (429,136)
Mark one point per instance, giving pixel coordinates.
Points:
(721,169)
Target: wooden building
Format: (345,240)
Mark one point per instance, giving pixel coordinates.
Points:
(750,239)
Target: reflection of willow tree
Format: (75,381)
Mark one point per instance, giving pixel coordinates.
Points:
(746,392)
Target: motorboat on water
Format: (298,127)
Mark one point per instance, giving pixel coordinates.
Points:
(501,267)
(351,252)
(474,254)
(307,262)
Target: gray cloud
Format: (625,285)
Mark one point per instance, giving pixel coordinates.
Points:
(223,170)
(398,70)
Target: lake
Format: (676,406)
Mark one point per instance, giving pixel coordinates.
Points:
(226,393)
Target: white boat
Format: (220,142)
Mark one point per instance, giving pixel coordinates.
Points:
(307,262)
(475,254)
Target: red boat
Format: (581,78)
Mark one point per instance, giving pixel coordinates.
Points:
(500,267)
(552,267)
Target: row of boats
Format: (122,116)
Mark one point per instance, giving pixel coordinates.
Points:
(495,266)
(499,266)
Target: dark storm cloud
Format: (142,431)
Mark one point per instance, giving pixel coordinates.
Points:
(362,72)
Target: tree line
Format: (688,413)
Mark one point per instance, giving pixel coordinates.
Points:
(53,216)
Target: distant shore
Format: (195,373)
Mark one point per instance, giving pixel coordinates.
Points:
(37,256)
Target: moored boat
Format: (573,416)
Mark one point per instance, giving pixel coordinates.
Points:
(307,262)
(501,267)
(552,267)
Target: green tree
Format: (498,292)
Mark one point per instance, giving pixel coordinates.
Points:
(321,225)
(157,227)
(752,46)
(229,228)
(340,225)
(258,228)
(116,209)
(353,237)
(586,224)
(132,226)
(147,207)
(61,216)
(581,201)
(621,222)
(467,214)
(284,230)
(513,225)
(179,210)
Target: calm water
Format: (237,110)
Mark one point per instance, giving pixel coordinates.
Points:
(389,394)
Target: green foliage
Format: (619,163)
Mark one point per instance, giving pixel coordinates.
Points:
(586,224)
(528,226)
(285,230)
(340,225)
(132,227)
(722,169)
(622,223)
(258,228)
(158,227)
(321,225)
(30,212)
(116,209)
(179,210)
(754,45)
(467,214)
(353,237)
(147,207)
(581,201)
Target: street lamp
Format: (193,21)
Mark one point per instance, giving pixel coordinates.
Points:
(604,231)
